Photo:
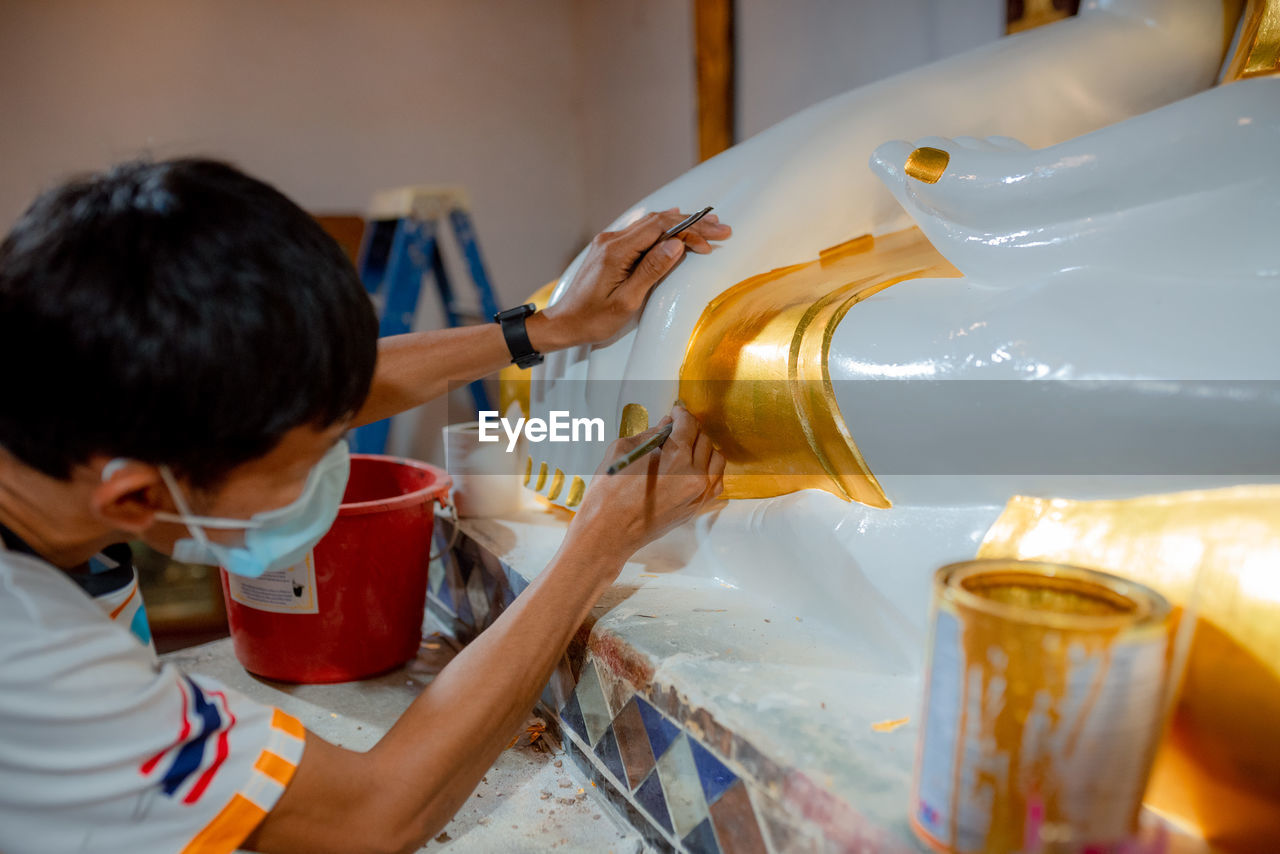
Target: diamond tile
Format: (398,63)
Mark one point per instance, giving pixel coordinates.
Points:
(591,700)
(478,598)
(607,752)
(649,795)
(435,574)
(445,595)
(571,716)
(617,691)
(662,732)
(702,839)
(633,743)
(737,826)
(712,772)
(680,784)
(462,605)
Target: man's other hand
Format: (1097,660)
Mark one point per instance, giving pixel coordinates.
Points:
(616,277)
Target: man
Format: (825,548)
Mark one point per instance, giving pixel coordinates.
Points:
(182,351)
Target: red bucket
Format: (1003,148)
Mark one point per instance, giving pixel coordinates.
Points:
(354,607)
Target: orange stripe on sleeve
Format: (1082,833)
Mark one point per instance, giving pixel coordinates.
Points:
(127,600)
(287,723)
(228,829)
(275,766)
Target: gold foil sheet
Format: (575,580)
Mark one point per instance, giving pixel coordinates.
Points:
(755,372)
(1218,770)
(927,164)
(1257,53)
(635,419)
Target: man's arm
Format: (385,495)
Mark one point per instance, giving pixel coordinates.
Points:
(410,784)
(608,291)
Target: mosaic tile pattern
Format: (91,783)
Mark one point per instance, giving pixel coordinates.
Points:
(684,781)
(689,794)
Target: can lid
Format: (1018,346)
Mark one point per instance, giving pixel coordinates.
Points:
(1051,594)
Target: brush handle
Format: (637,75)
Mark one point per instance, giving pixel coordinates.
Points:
(648,447)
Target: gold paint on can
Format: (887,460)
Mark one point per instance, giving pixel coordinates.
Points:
(577,488)
(635,419)
(1217,773)
(557,484)
(528,470)
(542,477)
(1044,704)
(927,164)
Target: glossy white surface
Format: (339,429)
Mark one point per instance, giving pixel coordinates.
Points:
(1122,276)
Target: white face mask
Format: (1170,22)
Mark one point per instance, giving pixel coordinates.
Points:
(273,540)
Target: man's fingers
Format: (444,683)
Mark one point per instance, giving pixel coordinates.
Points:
(685,429)
(655,264)
(619,447)
(702,449)
(715,466)
(641,234)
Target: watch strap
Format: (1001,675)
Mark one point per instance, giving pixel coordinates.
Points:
(514,330)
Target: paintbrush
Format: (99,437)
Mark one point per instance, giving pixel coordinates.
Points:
(652,444)
(680,226)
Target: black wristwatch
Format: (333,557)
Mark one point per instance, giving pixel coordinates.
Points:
(513,329)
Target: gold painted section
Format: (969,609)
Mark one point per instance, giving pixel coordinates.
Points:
(577,488)
(755,372)
(542,478)
(1219,768)
(927,164)
(1036,13)
(557,484)
(528,470)
(635,419)
(1258,51)
(513,382)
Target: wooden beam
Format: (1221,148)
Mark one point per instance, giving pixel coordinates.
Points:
(713,46)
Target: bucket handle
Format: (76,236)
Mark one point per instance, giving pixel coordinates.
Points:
(446,504)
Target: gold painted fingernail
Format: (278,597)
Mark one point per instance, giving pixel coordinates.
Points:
(542,477)
(927,164)
(576,489)
(528,470)
(635,419)
(557,484)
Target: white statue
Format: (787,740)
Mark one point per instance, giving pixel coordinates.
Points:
(1120,266)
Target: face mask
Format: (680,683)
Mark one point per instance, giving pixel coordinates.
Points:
(274,540)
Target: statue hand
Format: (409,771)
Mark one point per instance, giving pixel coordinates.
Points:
(616,276)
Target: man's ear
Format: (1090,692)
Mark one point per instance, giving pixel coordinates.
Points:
(129,496)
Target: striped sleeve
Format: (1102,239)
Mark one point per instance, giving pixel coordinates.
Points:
(272,771)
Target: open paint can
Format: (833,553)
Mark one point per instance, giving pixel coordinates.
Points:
(1043,708)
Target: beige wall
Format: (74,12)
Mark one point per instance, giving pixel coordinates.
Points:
(328,99)
(639,123)
(793,54)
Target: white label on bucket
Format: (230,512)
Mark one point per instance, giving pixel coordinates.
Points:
(283,591)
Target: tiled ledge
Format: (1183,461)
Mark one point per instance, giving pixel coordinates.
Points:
(712,722)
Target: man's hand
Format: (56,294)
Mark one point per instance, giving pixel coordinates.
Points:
(655,494)
(615,278)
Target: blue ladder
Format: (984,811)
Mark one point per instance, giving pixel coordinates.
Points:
(400,247)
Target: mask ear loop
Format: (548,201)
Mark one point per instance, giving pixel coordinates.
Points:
(184,509)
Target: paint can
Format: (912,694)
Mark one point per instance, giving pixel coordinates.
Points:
(1043,708)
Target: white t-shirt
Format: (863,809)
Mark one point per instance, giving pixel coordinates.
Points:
(105,749)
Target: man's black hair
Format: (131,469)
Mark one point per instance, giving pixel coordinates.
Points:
(178,312)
